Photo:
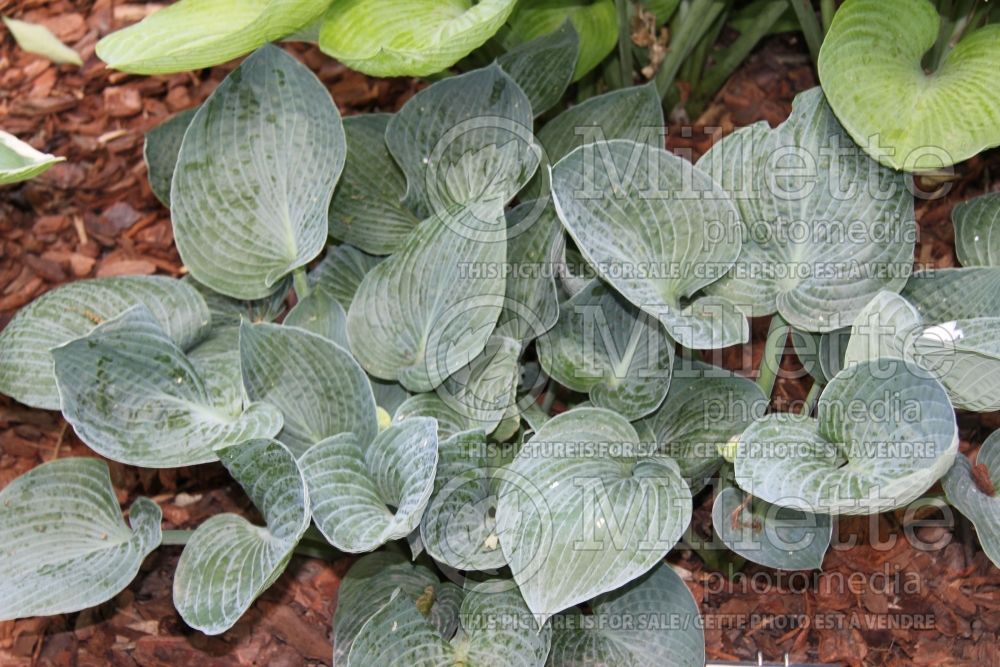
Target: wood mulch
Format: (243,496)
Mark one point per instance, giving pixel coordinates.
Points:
(94,215)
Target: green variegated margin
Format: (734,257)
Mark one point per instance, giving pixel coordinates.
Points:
(341,271)
(254,176)
(595,22)
(228,561)
(20,161)
(63,544)
(543,67)
(972,501)
(977,230)
(160,149)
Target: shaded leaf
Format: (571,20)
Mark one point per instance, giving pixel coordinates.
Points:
(339,274)
(321,314)
(981,508)
(543,67)
(160,150)
(596,23)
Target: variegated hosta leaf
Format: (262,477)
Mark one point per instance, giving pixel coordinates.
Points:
(423,313)
(340,273)
(770,535)
(133,396)
(63,544)
(595,22)
(194,34)
(366,494)
(585,508)
(658,229)
(705,407)
(72,311)
(367,207)
(449,420)
(605,346)
(254,176)
(386,38)
(229,561)
(486,389)
(316,384)
(20,161)
(907,117)
(543,67)
(496,629)
(321,314)
(466,140)
(885,432)
(977,230)
(160,150)
(972,499)
(650,622)
(369,585)
(229,312)
(825,227)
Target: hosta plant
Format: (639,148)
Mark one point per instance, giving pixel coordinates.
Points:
(454,268)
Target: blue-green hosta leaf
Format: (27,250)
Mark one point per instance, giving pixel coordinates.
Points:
(216,360)
(650,622)
(160,150)
(72,311)
(822,355)
(543,67)
(368,493)
(496,629)
(870,66)
(420,316)
(605,346)
(884,328)
(193,34)
(417,38)
(340,273)
(369,585)
(658,229)
(229,312)
(770,535)
(596,23)
(449,420)
(37,39)
(977,230)
(133,396)
(585,508)
(486,389)
(19,161)
(367,207)
(466,140)
(955,294)
(824,231)
(388,395)
(972,499)
(316,384)
(229,561)
(255,174)
(63,544)
(321,314)
(884,433)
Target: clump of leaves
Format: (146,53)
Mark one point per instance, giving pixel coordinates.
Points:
(480,265)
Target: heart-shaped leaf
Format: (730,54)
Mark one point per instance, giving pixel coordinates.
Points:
(650,620)
(825,227)
(970,493)
(255,174)
(160,150)
(340,273)
(366,494)
(321,314)
(595,22)
(385,38)
(63,544)
(543,67)
(367,207)
(977,230)
(19,161)
(885,432)
(316,384)
(871,69)
(194,34)
(72,311)
(229,561)
(630,209)
(585,509)
(605,346)
(133,396)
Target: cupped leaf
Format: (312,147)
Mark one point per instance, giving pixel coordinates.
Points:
(341,271)
(420,315)
(584,509)
(194,34)
(658,229)
(133,396)
(770,535)
(971,488)
(825,227)
(72,311)
(255,174)
(977,230)
(321,314)
(871,69)
(314,382)
(386,38)
(367,207)
(885,432)
(38,39)
(229,561)
(651,619)
(19,161)
(605,346)
(543,67)
(63,544)
(596,23)
(366,494)
(160,150)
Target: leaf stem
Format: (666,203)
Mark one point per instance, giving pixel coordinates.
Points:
(176,537)
(827,9)
(810,26)
(301,283)
(624,42)
(810,403)
(774,350)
